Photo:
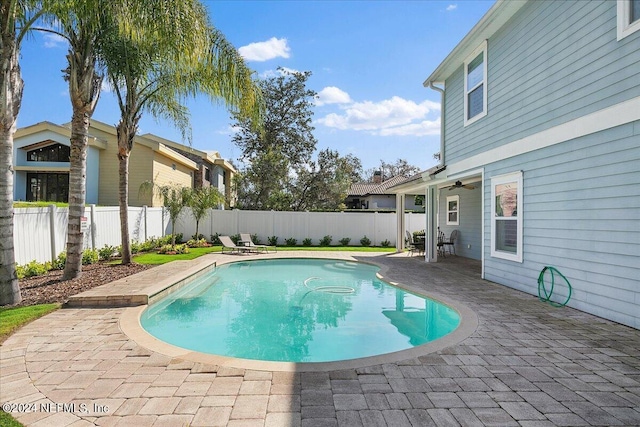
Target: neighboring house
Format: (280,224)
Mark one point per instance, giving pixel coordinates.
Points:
(541,123)
(376,195)
(41,164)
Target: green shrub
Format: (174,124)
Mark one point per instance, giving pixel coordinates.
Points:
(273,240)
(365,241)
(215,239)
(418,234)
(291,241)
(306,242)
(60,261)
(385,243)
(33,268)
(174,250)
(135,246)
(200,236)
(235,238)
(90,256)
(345,241)
(106,253)
(200,243)
(148,245)
(326,240)
(255,239)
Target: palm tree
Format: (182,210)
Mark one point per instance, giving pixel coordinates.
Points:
(175,55)
(201,201)
(16,19)
(81,23)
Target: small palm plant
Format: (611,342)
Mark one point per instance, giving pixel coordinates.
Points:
(203,199)
(174,198)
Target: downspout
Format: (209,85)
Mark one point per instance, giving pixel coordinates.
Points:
(441,90)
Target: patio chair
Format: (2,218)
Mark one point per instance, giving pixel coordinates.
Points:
(413,246)
(227,243)
(449,243)
(246,240)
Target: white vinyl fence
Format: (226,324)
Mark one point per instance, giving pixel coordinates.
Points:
(41,233)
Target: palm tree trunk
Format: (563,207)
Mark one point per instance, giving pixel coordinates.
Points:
(77,193)
(123,192)
(11,98)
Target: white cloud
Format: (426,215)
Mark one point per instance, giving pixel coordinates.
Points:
(395,116)
(332,95)
(106,85)
(452,7)
(53,40)
(264,51)
(279,72)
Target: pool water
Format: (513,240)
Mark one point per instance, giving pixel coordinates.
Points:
(296,310)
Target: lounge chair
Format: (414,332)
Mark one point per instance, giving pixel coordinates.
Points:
(246,240)
(227,243)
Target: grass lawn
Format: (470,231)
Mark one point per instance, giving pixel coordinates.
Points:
(156,259)
(13,318)
(6,420)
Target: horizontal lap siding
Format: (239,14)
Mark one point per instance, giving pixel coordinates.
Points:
(470,223)
(582,216)
(555,62)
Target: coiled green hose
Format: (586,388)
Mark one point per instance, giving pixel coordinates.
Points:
(543,290)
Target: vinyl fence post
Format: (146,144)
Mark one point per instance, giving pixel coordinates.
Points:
(52,231)
(93,227)
(144,212)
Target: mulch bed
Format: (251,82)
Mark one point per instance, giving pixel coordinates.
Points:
(49,288)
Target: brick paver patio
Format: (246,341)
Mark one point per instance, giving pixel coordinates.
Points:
(526,364)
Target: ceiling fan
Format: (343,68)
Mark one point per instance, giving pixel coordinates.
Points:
(458,184)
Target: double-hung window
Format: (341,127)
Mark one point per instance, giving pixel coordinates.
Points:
(628,17)
(506,216)
(453,210)
(475,85)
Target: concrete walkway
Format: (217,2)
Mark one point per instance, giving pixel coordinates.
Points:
(526,364)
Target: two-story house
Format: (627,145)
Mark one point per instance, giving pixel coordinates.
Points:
(41,163)
(540,150)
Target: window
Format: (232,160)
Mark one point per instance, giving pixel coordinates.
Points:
(506,217)
(475,85)
(453,210)
(50,187)
(628,17)
(50,153)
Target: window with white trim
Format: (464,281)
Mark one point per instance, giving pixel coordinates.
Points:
(628,17)
(506,216)
(453,210)
(475,85)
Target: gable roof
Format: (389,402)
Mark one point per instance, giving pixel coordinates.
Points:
(366,189)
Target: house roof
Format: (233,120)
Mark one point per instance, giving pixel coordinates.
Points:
(366,189)
(491,22)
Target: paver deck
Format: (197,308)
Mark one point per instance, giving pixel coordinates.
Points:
(526,363)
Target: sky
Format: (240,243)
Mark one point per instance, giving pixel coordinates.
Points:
(368,61)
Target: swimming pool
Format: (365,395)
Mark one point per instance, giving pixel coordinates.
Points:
(296,310)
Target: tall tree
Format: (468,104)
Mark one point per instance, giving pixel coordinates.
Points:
(323,184)
(201,201)
(284,144)
(175,54)
(389,170)
(16,19)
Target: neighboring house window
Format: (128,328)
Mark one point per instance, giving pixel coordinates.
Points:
(453,210)
(475,85)
(628,17)
(207,174)
(49,187)
(50,153)
(506,217)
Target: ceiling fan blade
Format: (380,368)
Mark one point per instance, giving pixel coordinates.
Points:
(469,186)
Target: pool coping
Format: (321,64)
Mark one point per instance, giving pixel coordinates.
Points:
(129,324)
